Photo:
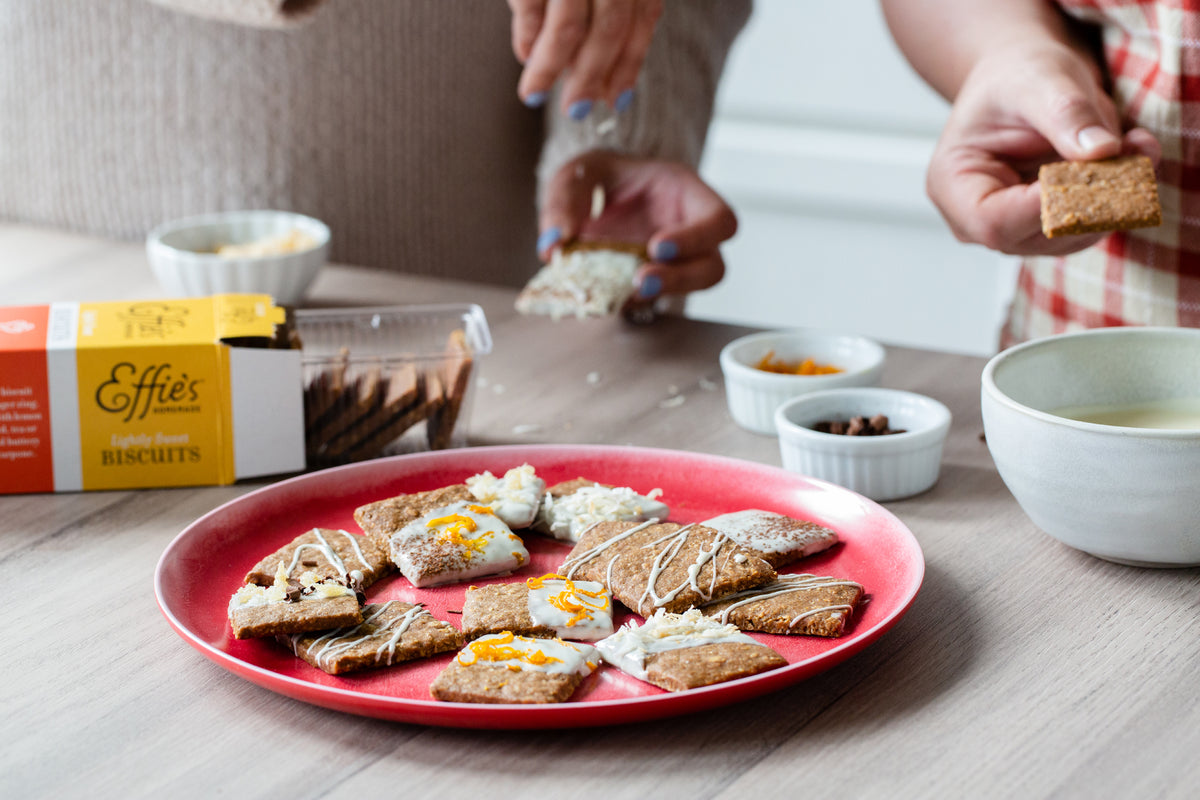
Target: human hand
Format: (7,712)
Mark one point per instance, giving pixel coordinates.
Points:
(1021,107)
(663,204)
(599,45)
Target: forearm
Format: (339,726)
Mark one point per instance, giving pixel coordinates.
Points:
(944,39)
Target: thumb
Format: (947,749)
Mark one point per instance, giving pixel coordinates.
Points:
(1074,114)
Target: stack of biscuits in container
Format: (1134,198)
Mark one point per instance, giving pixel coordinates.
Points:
(387,380)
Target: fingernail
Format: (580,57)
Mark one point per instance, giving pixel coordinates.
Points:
(536,99)
(624,100)
(548,238)
(650,286)
(1095,137)
(579,110)
(665,251)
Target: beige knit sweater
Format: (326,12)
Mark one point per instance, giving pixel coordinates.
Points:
(395,121)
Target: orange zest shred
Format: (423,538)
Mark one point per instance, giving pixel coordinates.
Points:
(579,603)
(455,525)
(769,363)
(482,510)
(501,649)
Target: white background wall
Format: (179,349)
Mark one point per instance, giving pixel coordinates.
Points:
(820,143)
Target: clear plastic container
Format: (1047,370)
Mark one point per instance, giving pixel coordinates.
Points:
(388,380)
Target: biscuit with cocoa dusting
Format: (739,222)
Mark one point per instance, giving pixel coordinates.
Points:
(381,519)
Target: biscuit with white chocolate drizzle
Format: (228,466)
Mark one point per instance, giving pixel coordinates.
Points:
(661,565)
(291,605)
(390,633)
(777,538)
(328,553)
(811,605)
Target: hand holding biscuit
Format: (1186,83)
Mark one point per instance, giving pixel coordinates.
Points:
(1021,107)
(664,205)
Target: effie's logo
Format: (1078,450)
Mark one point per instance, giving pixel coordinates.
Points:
(153,320)
(16,326)
(153,389)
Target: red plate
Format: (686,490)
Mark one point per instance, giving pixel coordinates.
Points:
(206,562)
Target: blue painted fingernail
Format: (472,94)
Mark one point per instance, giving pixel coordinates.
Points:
(536,100)
(579,110)
(665,251)
(624,100)
(650,286)
(548,238)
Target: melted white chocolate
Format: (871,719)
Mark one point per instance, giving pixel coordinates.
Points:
(629,647)
(520,653)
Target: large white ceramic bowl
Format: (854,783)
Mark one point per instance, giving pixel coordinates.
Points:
(182,256)
(887,467)
(753,395)
(1125,494)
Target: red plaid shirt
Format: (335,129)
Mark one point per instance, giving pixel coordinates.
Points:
(1149,276)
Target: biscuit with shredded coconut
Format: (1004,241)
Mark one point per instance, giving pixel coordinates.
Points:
(514,498)
(292,605)
(570,507)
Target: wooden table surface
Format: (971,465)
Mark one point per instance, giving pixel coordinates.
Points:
(1023,669)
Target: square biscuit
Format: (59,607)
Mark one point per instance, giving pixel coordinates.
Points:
(776,538)
(504,668)
(661,565)
(706,664)
(803,604)
(328,553)
(390,633)
(251,621)
(544,607)
(455,543)
(570,507)
(682,651)
(383,518)
(583,279)
(1092,196)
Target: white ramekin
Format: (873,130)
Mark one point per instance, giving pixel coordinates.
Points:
(886,467)
(182,255)
(753,395)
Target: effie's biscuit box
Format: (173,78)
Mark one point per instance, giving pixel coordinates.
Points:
(146,393)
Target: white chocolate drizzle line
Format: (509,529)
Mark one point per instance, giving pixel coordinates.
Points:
(328,647)
(664,557)
(799,582)
(329,553)
(571,564)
